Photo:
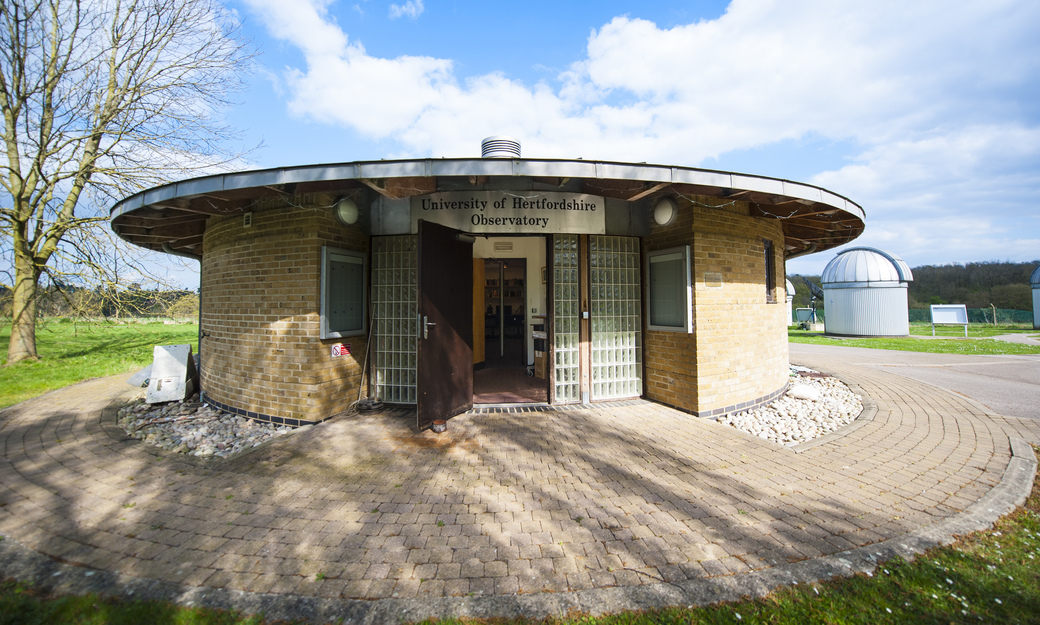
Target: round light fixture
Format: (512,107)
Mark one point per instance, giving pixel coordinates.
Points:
(346,211)
(665,211)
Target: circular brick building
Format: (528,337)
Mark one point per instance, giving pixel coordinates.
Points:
(446,283)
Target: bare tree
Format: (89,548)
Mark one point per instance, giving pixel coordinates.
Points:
(101,98)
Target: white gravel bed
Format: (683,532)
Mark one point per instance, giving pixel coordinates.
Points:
(812,407)
(195,429)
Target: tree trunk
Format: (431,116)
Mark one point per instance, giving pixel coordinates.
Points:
(23,318)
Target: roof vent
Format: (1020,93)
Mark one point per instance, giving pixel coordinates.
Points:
(500,147)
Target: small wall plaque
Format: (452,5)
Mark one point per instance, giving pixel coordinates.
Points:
(713,280)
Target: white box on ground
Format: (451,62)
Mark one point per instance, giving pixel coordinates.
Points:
(173,374)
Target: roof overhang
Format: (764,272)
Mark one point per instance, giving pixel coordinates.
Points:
(172,217)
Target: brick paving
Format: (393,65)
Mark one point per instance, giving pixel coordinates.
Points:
(612,495)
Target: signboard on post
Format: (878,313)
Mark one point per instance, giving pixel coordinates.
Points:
(950,314)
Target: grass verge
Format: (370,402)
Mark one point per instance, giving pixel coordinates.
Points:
(71,352)
(21,605)
(975,330)
(990,576)
(952,345)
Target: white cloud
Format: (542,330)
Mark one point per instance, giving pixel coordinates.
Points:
(412,9)
(938,99)
(307,26)
(377,96)
(964,193)
(763,72)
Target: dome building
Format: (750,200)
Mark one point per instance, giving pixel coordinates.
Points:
(449,283)
(865,293)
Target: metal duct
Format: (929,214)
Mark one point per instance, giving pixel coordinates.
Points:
(500,147)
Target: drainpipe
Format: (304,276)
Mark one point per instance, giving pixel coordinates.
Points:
(169,250)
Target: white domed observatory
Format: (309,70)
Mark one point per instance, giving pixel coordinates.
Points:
(865,293)
(1034,281)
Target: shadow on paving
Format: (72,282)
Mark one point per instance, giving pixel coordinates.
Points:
(367,508)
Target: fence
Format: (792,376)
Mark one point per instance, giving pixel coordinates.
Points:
(979,315)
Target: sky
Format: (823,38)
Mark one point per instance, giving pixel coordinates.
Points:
(925,113)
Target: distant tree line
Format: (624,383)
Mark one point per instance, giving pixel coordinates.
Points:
(70,301)
(976,285)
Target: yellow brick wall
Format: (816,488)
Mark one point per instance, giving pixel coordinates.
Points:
(737,355)
(261,294)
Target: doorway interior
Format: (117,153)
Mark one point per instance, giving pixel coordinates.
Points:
(512,311)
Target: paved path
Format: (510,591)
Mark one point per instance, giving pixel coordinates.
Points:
(1006,385)
(597,509)
(1024,339)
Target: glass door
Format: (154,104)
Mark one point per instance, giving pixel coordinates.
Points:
(566,319)
(614,301)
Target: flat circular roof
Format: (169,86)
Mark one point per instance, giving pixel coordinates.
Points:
(173,217)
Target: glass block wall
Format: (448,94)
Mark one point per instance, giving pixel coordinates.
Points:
(565,319)
(395,307)
(614,300)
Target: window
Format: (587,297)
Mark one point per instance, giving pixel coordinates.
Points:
(669,290)
(770,271)
(342,293)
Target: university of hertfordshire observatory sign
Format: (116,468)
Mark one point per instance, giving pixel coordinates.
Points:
(511,212)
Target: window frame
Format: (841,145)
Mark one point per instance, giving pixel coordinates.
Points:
(770,261)
(686,293)
(328,254)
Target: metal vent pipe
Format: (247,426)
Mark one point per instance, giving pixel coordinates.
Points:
(500,147)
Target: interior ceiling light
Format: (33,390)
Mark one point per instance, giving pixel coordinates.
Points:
(346,211)
(665,211)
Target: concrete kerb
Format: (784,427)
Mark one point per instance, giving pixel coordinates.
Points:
(22,563)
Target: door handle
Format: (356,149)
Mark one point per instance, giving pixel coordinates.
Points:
(425,326)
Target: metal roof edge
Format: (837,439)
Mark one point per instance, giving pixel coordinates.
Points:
(870,284)
(674,174)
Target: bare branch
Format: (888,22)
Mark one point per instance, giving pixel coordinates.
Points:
(101,98)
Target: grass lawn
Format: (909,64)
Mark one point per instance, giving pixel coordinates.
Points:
(74,351)
(975,330)
(921,340)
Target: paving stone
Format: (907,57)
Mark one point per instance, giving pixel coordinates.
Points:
(660,495)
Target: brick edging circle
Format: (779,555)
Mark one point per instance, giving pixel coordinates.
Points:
(24,564)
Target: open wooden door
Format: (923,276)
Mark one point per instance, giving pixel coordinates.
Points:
(445,348)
